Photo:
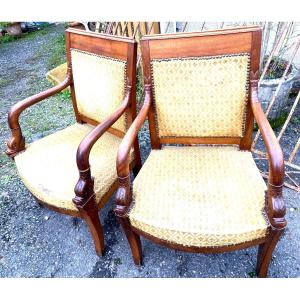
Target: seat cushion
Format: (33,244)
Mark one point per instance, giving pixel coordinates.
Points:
(204,196)
(48,166)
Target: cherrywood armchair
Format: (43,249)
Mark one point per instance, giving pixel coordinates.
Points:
(206,195)
(101,76)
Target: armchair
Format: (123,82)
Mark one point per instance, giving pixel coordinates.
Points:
(73,170)
(207,194)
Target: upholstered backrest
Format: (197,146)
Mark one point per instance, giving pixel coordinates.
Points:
(201,96)
(199,83)
(100,75)
(99,83)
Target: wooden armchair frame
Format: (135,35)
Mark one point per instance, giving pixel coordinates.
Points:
(212,43)
(116,47)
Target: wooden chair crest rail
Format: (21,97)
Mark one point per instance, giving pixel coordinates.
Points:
(201,92)
(102,77)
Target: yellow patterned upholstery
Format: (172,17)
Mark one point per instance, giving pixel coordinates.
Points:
(201,97)
(203,196)
(48,166)
(99,85)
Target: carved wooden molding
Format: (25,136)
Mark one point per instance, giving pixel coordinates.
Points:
(84,189)
(276,207)
(124,195)
(131,136)
(16,143)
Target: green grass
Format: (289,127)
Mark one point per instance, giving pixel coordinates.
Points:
(65,96)
(7,39)
(48,115)
(252,274)
(5,81)
(58,52)
(278,122)
(28,35)
(275,123)
(58,48)
(295,120)
(34,34)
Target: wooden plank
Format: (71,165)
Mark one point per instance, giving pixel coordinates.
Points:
(201,140)
(200,45)
(101,45)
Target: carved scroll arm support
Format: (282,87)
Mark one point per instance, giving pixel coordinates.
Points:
(123,196)
(275,205)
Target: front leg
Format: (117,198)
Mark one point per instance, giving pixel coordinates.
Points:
(85,201)
(123,201)
(276,214)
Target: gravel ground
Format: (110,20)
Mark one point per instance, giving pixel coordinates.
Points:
(36,242)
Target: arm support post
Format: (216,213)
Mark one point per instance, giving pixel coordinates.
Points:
(123,196)
(275,203)
(84,188)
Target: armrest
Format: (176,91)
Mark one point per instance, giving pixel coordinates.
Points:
(17,141)
(130,136)
(84,188)
(274,202)
(123,198)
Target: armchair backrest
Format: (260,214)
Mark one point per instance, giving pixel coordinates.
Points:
(200,85)
(102,67)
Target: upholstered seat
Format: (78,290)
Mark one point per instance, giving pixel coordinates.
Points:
(48,166)
(203,196)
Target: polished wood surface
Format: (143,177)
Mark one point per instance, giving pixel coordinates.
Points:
(101,44)
(201,140)
(246,140)
(128,140)
(275,155)
(217,32)
(155,142)
(202,45)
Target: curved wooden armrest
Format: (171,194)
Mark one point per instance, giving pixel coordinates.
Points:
(17,141)
(275,204)
(130,136)
(84,188)
(123,198)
